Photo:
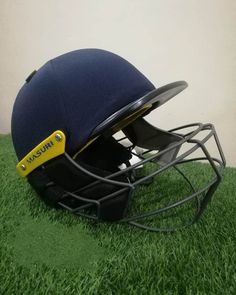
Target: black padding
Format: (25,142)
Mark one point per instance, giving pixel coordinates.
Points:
(74,180)
(63,173)
(105,154)
(48,191)
(147,136)
(115,208)
(59,176)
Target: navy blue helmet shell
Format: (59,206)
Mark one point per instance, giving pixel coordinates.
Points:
(63,122)
(74,92)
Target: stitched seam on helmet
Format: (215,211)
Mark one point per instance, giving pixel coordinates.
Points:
(60,93)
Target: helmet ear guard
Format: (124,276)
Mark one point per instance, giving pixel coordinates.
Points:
(59,182)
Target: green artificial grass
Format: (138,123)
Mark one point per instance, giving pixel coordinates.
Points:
(48,251)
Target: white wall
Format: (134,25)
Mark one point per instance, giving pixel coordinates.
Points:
(167,40)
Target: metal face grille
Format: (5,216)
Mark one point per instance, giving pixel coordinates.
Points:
(197,194)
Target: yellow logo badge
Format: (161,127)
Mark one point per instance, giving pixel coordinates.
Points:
(49,148)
